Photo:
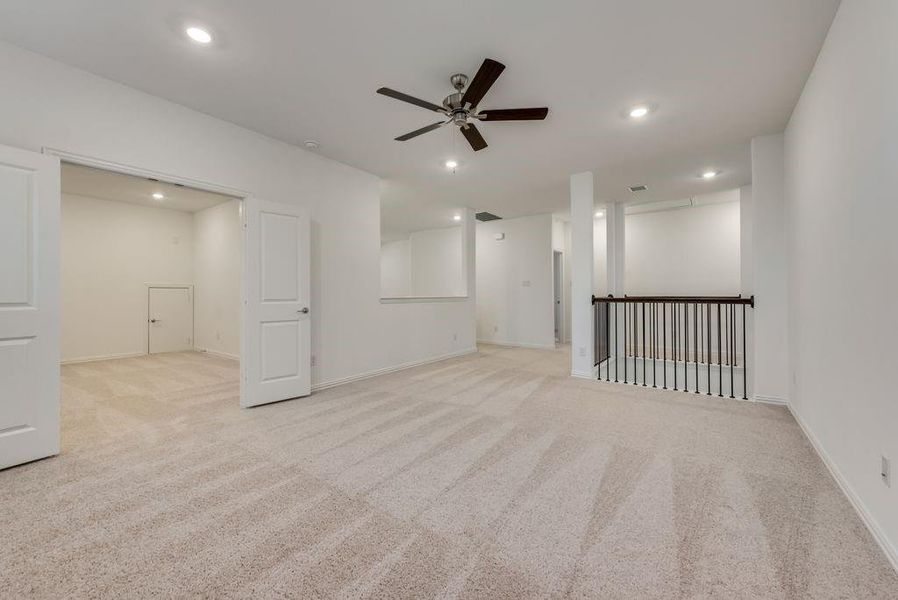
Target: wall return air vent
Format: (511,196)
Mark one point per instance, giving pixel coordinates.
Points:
(485,216)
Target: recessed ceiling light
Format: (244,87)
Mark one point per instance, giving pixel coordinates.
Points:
(199,35)
(637,112)
(456,218)
(158,196)
(311,144)
(710,174)
(451,164)
(599,213)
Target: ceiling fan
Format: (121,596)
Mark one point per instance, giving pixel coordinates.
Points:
(461,107)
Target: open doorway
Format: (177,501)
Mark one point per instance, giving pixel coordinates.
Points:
(558,294)
(86,243)
(147,267)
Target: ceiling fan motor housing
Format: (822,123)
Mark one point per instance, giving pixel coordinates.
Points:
(458,114)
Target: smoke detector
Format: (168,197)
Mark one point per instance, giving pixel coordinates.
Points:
(311,144)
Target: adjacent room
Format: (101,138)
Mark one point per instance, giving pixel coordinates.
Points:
(146,268)
(405,300)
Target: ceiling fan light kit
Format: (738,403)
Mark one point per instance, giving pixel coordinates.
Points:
(461,106)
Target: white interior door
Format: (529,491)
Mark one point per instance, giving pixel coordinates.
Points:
(275,360)
(29,306)
(170,319)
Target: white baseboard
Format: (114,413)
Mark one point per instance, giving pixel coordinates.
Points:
(584,374)
(87,359)
(518,344)
(218,354)
(879,535)
(770,400)
(367,375)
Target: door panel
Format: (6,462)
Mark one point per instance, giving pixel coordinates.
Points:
(276,329)
(29,306)
(280,257)
(170,319)
(16,241)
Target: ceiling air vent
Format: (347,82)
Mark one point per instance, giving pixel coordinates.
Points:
(638,188)
(485,216)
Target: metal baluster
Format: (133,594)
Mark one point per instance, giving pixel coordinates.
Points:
(674,318)
(607,341)
(633,311)
(708,331)
(685,346)
(702,308)
(744,360)
(695,343)
(614,304)
(595,334)
(643,344)
(733,345)
(654,346)
(664,339)
(719,357)
(626,375)
(635,342)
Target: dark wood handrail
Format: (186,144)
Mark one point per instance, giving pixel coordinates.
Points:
(690,299)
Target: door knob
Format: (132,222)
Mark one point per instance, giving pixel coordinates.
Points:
(155,320)
(304,310)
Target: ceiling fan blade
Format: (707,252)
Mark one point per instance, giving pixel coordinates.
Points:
(411,99)
(515,114)
(484,79)
(473,136)
(418,132)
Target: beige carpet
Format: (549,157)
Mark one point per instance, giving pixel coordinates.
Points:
(488,476)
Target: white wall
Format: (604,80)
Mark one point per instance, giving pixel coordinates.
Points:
(690,251)
(217,264)
(514,282)
(746,245)
(109,252)
(770,271)
(50,104)
(841,152)
(600,257)
(395,269)
(568,288)
(435,259)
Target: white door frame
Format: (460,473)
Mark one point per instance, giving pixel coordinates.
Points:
(177,286)
(107,165)
(558,278)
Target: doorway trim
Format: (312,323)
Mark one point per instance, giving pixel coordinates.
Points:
(107,165)
(170,286)
(125,169)
(558,304)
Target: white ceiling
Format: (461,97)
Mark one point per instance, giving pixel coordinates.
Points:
(718,71)
(106,185)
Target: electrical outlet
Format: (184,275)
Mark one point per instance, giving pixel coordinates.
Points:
(525,283)
(886,472)
(454,337)
(314,360)
(495,329)
(582,351)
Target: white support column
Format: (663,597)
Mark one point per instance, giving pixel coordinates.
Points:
(582,257)
(614,247)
